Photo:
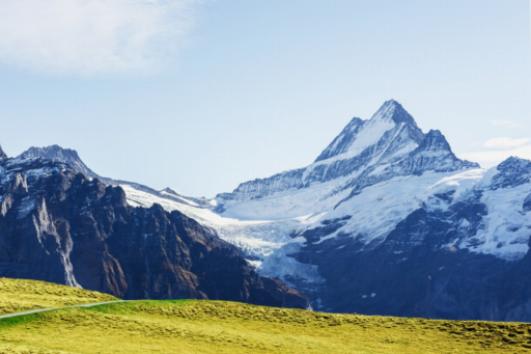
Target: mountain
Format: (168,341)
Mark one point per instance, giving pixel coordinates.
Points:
(59,225)
(59,154)
(386,220)
(462,253)
(71,158)
(388,145)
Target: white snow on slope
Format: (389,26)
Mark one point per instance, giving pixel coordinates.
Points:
(291,203)
(179,197)
(264,228)
(461,183)
(377,209)
(259,239)
(136,197)
(506,229)
(371,132)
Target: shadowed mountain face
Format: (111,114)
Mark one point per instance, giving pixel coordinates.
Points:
(59,226)
(434,263)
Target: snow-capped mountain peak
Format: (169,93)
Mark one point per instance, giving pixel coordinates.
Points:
(59,154)
(360,135)
(393,111)
(388,145)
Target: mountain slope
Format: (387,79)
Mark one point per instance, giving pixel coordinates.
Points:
(19,295)
(388,220)
(464,253)
(58,225)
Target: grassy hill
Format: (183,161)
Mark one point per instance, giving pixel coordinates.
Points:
(188,326)
(19,295)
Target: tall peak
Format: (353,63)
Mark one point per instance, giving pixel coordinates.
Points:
(392,110)
(359,134)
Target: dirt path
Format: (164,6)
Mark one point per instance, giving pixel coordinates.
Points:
(49,309)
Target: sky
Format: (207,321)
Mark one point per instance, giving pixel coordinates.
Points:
(201,95)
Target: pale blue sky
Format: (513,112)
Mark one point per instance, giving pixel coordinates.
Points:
(228,90)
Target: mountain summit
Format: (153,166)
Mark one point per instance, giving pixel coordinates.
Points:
(360,134)
(389,144)
(394,111)
(58,154)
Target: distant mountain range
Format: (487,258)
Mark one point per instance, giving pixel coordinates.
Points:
(386,220)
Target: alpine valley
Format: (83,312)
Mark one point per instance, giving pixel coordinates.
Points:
(387,220)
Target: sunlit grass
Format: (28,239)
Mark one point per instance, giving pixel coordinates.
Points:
(223,327)
(19,295)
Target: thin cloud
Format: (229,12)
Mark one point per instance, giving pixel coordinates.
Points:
(498,149)
(86,37)
(504,143)
(508,124)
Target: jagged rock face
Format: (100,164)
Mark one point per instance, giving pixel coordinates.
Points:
(59,226)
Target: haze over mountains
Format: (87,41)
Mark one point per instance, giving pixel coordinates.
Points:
(386,220)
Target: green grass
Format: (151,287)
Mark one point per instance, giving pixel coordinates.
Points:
(19,295)
(189,326)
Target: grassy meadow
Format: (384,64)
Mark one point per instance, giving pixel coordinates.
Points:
(189,326)
(19,295)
